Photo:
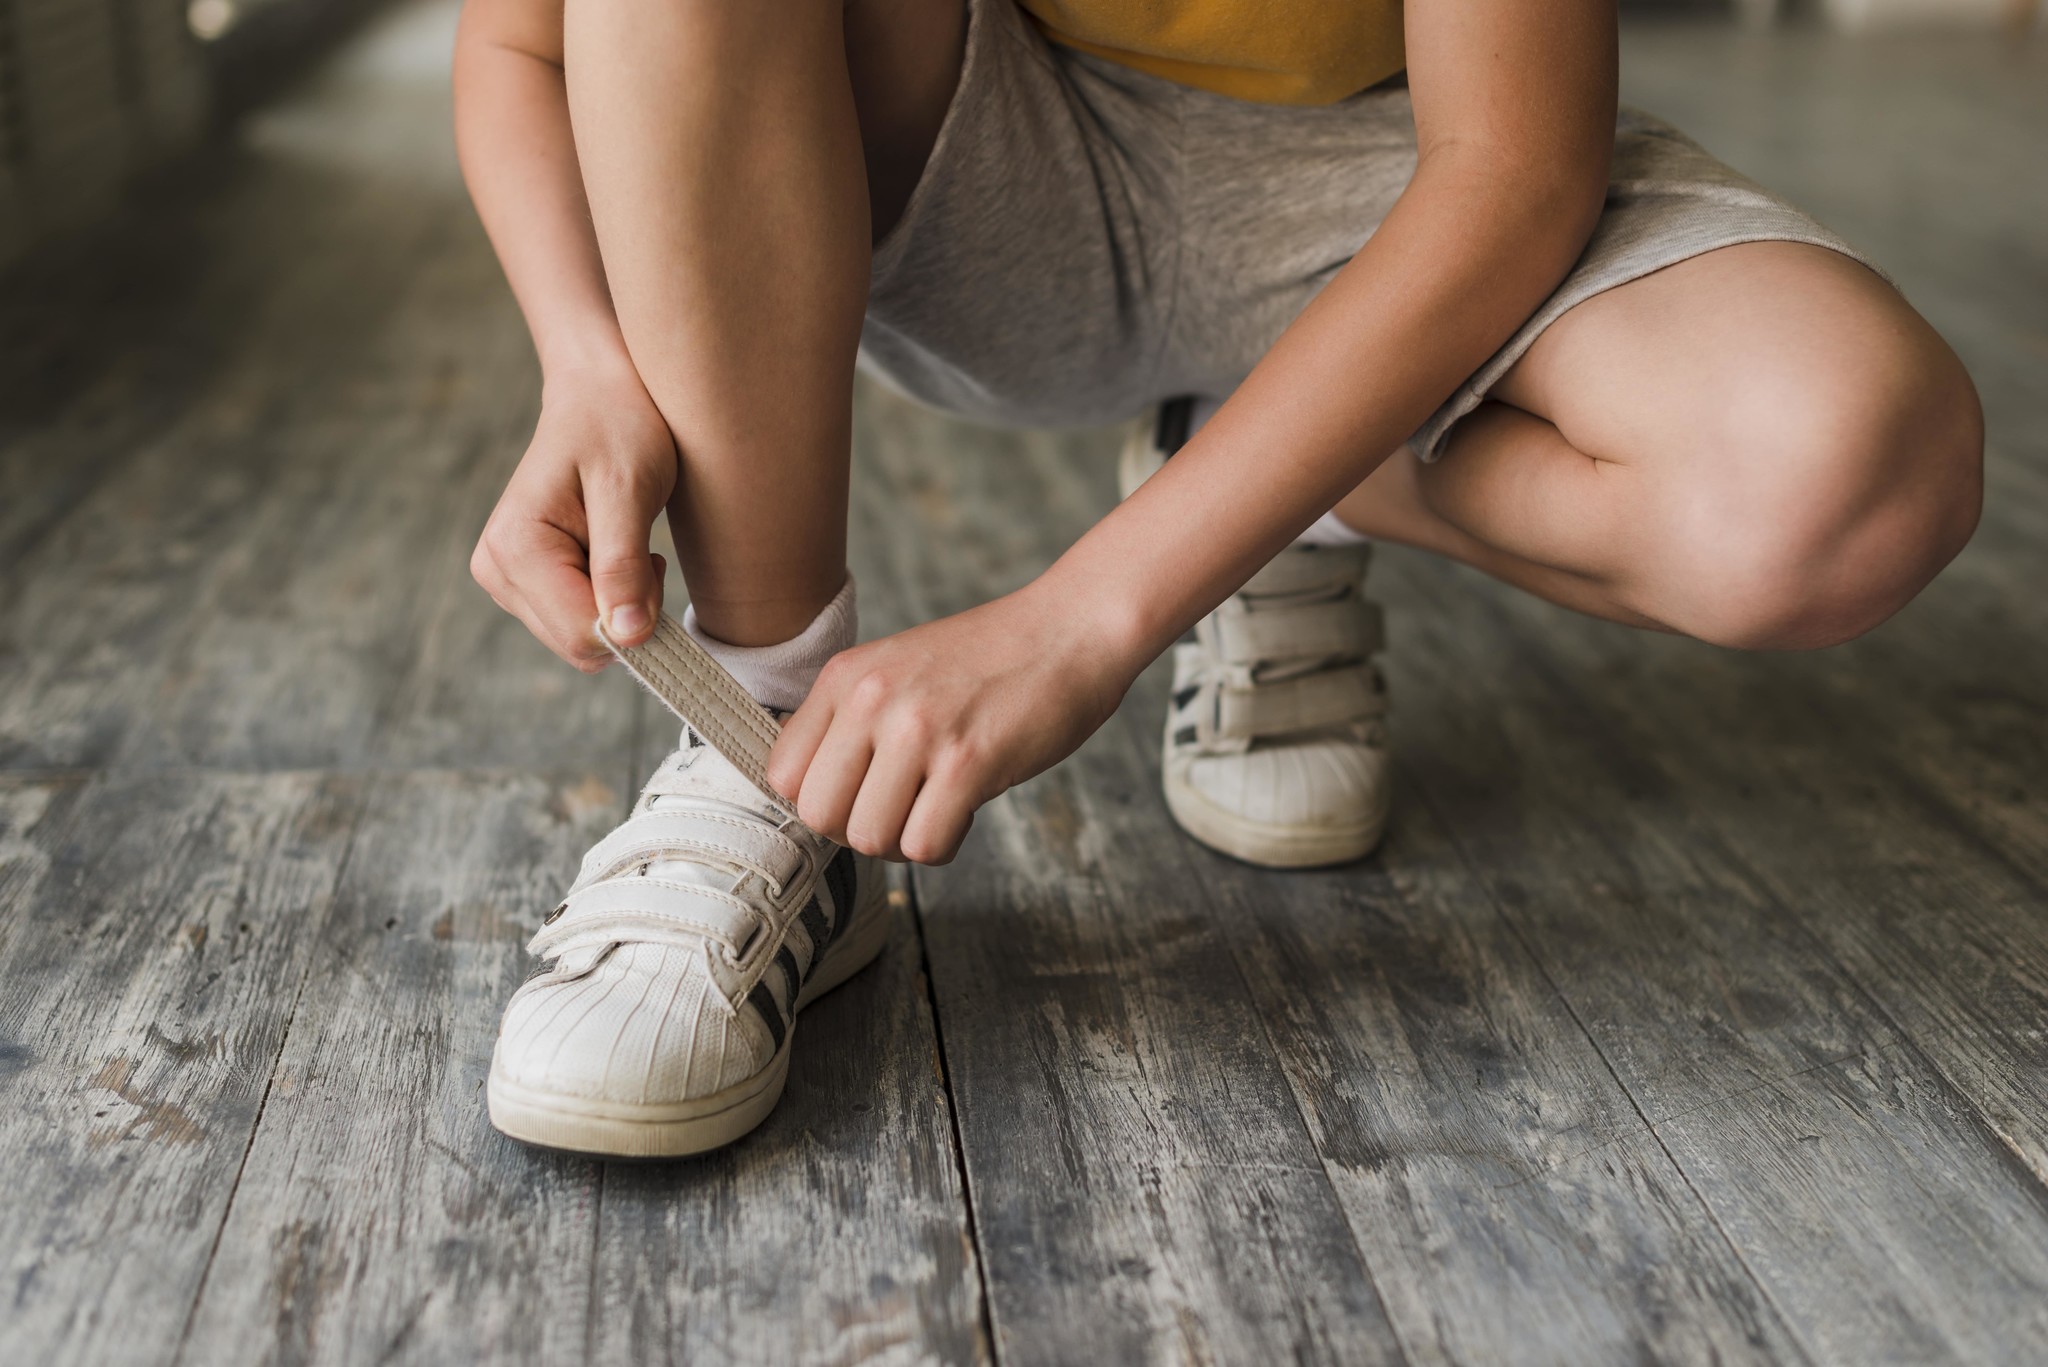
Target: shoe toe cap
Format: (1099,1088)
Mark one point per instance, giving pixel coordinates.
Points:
(1320,783)
(646,1025)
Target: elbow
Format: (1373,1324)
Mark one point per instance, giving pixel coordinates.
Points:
(1562,203)
(522,30)
(1581,199)
(1549,199)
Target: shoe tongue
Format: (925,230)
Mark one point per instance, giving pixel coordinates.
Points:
(707,781)
(711,777)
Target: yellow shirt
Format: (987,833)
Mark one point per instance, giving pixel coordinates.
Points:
(1273,51)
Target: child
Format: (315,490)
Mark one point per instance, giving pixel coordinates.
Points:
(1419,280)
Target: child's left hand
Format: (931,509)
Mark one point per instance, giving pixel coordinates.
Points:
(903,738)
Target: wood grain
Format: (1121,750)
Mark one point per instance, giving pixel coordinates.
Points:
(1503,1186)
(1764,1067)
(378,1216)
(155,961)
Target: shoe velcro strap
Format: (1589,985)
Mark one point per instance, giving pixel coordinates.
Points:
(1305,569)
(1338,628)
(640,905)
(735,840)
(1329,697)
(697,689)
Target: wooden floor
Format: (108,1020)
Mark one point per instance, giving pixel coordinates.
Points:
(1696,1011)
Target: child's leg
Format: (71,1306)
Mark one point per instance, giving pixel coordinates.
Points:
(722,152)
(1761,446)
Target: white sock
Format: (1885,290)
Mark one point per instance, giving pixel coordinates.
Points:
(1327,530)
(1331,530)
(780,676)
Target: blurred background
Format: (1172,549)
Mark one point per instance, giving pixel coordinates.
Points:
(95,95)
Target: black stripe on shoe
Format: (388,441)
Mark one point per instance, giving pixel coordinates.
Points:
(813,919)
(786,961)
(763,1001)
(843,882)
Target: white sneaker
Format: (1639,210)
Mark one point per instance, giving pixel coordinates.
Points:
(660,1020)
(1276,738)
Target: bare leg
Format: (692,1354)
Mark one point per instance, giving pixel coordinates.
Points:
(1762,446)
(723,154)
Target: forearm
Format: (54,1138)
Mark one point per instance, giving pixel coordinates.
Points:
(519,161)
(1469,251)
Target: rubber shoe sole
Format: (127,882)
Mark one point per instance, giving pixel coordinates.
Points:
(1269,845)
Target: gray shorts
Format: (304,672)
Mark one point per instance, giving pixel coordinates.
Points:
(1087,240)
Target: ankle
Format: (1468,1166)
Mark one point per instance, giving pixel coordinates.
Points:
(758,623)
(780,675)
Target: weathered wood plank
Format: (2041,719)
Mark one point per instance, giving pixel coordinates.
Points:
(152,970)
(33,809)
(1144,1185)
(72,406)
(1873,1204)
(1908,836)
(378,1215)
(1507,1195)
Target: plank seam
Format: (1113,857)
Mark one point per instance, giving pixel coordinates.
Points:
(592,1301)
(984,1316)
(590,1305)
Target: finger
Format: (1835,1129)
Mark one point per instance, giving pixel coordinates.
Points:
(489,574)
(939,820)
(834,778)
(546,567)
(795,748)
(875,825)
(483,567)
(623,577)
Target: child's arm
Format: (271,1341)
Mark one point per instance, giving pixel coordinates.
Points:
(1514,108)
(602,464)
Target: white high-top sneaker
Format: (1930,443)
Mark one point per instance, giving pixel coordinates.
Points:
(1276,737)
(660,1020)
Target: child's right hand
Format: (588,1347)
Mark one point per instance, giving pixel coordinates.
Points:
(568,539)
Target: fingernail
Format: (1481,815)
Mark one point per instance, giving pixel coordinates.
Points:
(628,619)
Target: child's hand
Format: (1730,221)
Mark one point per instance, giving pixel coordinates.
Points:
(569,535)
(903,738)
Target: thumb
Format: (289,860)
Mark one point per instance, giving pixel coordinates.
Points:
(624,574)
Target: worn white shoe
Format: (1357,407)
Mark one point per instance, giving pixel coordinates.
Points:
(1276,737)
(660,1019)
